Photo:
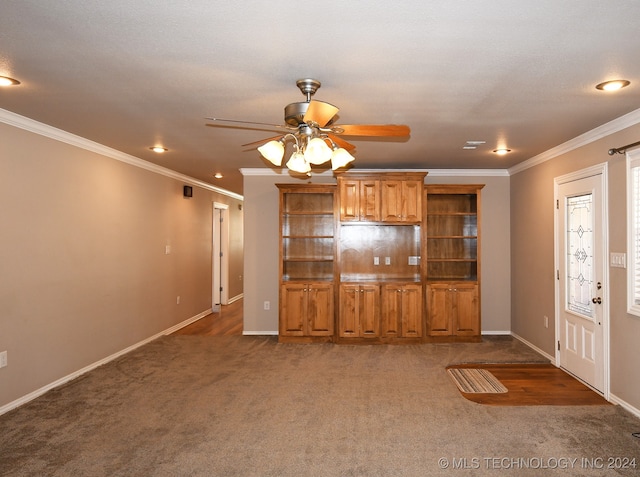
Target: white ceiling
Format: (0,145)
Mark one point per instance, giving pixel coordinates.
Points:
(132,74)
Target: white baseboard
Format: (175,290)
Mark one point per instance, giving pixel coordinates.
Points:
(535,348)
(260,333)
(496,333)
(235,298)
(59,382)
(616,400)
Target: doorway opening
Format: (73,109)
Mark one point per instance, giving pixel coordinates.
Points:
(220,262)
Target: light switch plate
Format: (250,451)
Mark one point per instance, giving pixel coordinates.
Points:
(618,260)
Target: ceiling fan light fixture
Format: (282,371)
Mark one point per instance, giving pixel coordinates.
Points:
(273,151)
(297,163)
(340,158)
(317,152)
(6,81)
(613,85)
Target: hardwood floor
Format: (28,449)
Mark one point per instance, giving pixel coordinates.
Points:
(227,322)
(535,385)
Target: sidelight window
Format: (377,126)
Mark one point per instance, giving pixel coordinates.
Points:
(633,228)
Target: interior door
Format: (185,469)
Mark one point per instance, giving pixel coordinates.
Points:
(580,236)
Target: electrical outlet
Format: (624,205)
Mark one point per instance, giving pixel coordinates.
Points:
(546,321)
(387,260)
(376,260)
(178,300)
(267,305)
(3,359)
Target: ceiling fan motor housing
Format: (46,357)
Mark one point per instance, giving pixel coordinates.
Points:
(294,113)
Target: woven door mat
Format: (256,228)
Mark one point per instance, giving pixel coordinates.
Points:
(474,380)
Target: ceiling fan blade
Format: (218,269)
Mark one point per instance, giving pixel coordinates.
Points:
(247,122)
(320,112)
(372,130)
(262,141)
(341,142)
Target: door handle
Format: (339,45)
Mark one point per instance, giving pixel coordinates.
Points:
(597,300)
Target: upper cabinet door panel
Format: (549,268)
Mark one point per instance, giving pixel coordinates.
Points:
(349,200)
(370,201)
(401,201)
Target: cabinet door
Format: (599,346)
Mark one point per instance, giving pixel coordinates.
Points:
(349,200)
(391,201)
(370,200)
(411,210)
(401,201)
(391,308)
(320,309)
(467,311)
(359,311)
(439,310)
(411,311)
(293,304)
(369,311)
(348,311)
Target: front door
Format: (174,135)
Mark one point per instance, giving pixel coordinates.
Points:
(580,237)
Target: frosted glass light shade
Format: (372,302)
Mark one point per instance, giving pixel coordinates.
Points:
(297,163)
(317,152)
(340,158)
(273,151)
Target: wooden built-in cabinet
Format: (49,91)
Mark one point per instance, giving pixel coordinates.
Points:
(453,261)
(453,309)
(389,197)
(401,201)
(359,200)
(306,310)
(379,258)
(359,311)
(402,310)
(307,262)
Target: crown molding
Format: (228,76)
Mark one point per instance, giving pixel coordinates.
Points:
(614,126)
(263,171)
(22,122)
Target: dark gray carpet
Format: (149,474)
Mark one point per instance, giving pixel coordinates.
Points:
(248,406)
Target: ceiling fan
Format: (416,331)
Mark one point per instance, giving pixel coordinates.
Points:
(316,139)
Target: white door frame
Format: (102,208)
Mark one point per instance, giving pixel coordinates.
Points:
(220,254)
(597,170)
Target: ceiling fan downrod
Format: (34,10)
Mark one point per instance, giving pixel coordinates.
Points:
(308,86)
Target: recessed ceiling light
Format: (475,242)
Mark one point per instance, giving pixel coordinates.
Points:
(502,151)
(218,175)
(6,81)
(159,149)
(613,85)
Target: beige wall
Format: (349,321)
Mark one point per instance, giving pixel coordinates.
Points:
(261,247)
(84,272)
(532,257)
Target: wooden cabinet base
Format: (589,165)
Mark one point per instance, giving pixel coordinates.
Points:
(452,339)
(305,339)
(379,340)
